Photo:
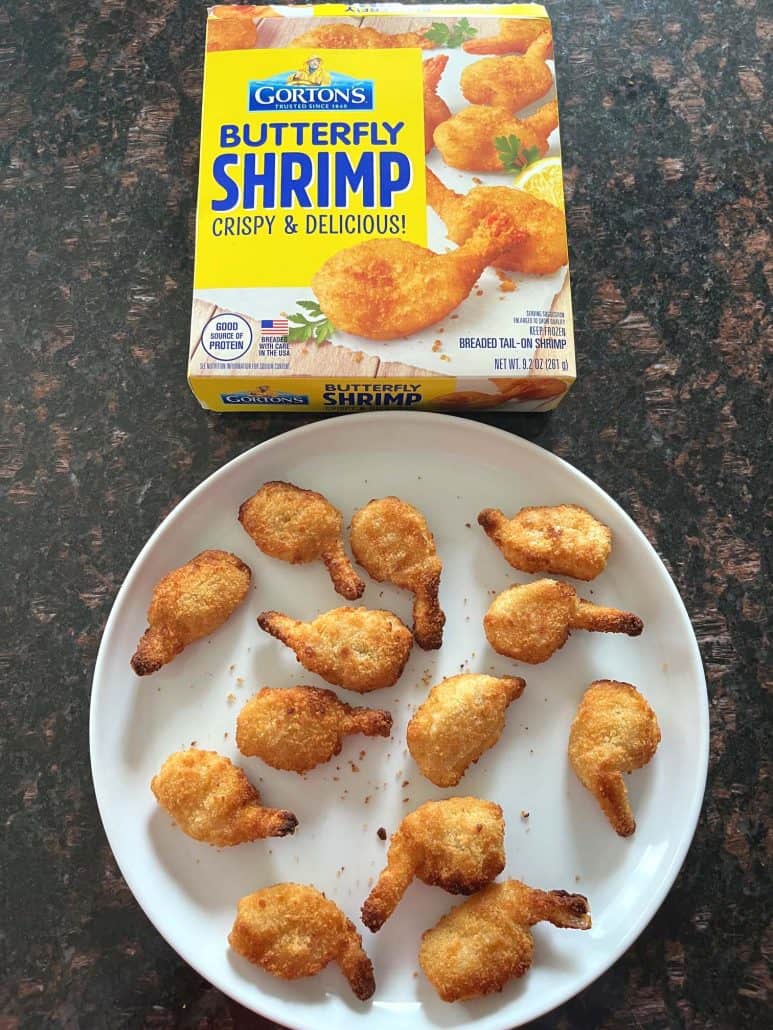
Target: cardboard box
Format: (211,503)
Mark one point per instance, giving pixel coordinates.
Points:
(380,211)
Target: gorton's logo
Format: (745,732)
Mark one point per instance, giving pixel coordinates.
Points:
(264,396)
(310,88)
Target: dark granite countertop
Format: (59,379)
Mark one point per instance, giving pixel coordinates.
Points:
(662,105)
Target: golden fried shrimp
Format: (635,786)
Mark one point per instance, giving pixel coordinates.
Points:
(531,622)
(614,731)
(392,542)
(515,37)
(300,526)
(435,108)
(462,717)
(301,727)
(543,249)
(292,931)
(565,539)
(353,37)
(355,648)
(510,82)
(190,603)
(212,800)
(232,27)
(457,844)
(384,289)
(484,942)
(467,140)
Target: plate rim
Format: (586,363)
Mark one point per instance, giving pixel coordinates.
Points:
(656,899)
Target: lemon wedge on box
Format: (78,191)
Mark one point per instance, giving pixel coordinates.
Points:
(544,179)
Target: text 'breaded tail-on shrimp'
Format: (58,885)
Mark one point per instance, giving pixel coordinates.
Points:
(436,110)
(212,800)
(543,249)
(468,139)
(190,603)
(457,844)
(614,731)
(297,728)
(300,526)
(392,541)
(355,648)
(564,539)
(530,622)
(484,942)
(510,82)
(292,931)
(385,289)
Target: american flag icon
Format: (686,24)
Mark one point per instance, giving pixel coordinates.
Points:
(274,327)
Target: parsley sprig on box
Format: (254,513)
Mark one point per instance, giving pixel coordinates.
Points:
(450,38)
(309,324)
(513,155)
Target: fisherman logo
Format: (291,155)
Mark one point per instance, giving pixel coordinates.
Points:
(310,88)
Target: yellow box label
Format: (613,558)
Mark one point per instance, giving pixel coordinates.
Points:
(366,394)
(301,150)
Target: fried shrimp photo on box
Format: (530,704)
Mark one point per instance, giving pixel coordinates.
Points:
(510,82)
(461,719)
(457,844)
(292,931)
(190,603)
(614,732)
(515,36)
(391,540)
(300,526)
(234,27)
(436,110)
(298,728)
(212,800)
(531,622)
(354,37)
(385,289)
(468,139)
(564,539)
(486,941)
(544,247)
(355,648)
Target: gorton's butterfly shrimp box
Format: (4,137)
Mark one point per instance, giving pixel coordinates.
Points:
(380,217)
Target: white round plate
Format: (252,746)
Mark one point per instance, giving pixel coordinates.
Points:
(450,469)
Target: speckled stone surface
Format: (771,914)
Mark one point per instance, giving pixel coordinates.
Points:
(662,109)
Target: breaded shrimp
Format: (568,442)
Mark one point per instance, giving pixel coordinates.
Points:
(190,603)
(234,27)
(355,648)
(353,37)
(457,844)
(467,140)
(301,727)
(384,289)
(300,526)
(435,108)
(292,930)
(212,800)
(544,249)
(614,731)
(531,622)
(484,942)
(461,719)
(392,542)
(510,82)
(515,37)
(565,540)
